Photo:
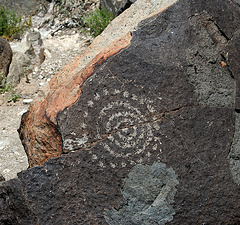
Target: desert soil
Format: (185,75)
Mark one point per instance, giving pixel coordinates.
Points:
(62,48)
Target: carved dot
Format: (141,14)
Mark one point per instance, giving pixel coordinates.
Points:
(90,103)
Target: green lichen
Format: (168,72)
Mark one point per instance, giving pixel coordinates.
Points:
(148,193)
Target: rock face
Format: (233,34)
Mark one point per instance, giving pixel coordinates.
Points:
(151,137)
(5,58)
(39,129)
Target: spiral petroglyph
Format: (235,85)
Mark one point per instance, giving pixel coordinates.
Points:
(128,129)
(124,122)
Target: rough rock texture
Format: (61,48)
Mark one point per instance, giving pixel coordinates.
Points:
(148,139)
(5,58)
(34,37)
(38,130)
(18,67)
(148,192)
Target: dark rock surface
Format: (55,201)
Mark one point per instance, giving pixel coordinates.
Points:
(154,132)
(125,5)
(116,7)
(5,58)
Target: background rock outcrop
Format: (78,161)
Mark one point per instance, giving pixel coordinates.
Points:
(111,5)
(116,7)
(26,7)
(25,54)
(150,132)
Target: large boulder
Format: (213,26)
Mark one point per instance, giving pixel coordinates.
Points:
(39,130)
(150,134)
(5,58)
(18,68)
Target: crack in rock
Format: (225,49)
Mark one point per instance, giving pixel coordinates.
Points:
(83,144)
(234,155)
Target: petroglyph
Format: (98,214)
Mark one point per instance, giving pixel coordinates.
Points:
(68,143)
(126,127)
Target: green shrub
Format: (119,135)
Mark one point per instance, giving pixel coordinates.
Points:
(7,87)
(97,21)
(11,23)
(14,97)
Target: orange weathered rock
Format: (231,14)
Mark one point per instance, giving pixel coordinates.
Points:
(38,130)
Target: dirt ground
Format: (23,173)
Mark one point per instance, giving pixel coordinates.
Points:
(62,48)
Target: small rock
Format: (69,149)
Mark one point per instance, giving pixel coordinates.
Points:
(47,53)
(6,171)
(34,36)
(41,55)
(18,68)
(27,101)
